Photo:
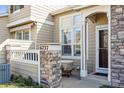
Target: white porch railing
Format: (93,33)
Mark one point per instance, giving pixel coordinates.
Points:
(26,56)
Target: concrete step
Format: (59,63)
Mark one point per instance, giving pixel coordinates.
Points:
(101,79)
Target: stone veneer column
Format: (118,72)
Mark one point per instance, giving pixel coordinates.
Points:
(117,45)
(51,68)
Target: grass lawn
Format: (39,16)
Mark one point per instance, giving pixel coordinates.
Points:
(9,85)
(16,85)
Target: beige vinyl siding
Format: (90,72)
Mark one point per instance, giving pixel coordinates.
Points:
(44,33)
(41,13)
(25,69)
(45,24)
(33,32)
(20,14)
(21,44)
(4,34)
(33,35)
(3,56)
(91,46)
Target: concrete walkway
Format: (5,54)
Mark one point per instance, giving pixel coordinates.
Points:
(88,82)
(84,83)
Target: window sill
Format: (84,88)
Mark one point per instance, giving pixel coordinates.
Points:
(71,57)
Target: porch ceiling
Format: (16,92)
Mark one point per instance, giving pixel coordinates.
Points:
(94,17)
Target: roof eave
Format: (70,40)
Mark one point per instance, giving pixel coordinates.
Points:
(68,9)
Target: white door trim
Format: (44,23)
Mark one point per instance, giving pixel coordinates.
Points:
(98,69)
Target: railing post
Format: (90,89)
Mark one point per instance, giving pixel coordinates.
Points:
(38,67)
(7,55)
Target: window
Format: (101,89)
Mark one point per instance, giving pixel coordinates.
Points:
(77,19)
(15,7)
(19,35)
(77,41)
(71,35)
(66,50)
(25,35)
(76,50)
(77,35)
(66,42)
(66,36)
(22,35)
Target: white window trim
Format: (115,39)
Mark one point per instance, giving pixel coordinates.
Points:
(74,26)
(22,34)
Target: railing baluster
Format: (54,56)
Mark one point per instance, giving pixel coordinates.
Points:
(27,56)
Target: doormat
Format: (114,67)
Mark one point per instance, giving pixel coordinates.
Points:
(101,74)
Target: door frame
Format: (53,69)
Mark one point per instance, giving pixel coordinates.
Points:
(98,69)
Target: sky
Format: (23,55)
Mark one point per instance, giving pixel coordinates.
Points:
(3,8)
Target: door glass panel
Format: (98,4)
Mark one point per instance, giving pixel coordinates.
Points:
(103,48)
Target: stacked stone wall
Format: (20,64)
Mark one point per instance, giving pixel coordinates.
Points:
(51,68)
(117,45)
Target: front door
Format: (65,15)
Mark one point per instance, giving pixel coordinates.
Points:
(102,49)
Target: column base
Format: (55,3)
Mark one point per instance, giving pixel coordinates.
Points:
(83,73)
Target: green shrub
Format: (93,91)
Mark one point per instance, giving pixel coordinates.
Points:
(24,82)
(13,77)
(29,81)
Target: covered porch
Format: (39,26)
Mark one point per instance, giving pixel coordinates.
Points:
(85,37)
(95,43)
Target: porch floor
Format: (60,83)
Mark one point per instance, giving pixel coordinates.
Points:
(91,81)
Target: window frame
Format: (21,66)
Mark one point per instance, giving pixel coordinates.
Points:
(22,32)
(79,26)
(17,35)
(14,10)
